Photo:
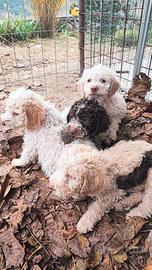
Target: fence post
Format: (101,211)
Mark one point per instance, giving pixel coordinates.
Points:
(142,36)
(81,33)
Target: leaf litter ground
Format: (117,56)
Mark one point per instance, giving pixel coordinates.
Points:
(37,232)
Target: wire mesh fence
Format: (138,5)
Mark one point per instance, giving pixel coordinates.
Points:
(113,33)
(51,58)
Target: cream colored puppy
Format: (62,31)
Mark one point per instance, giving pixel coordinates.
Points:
(106,176)
(102,83)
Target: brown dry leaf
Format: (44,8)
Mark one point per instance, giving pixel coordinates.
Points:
(120,257)
(57,245)
(148,115)
(69,233)
(61,268)
(141,84)
(2,159)
(138,223)
(80,246)
(36,228)
(22,204)
(2,259)
(134,242)
(36,267)
(133,226)
(32,197)
(95,259)
(16,217)
(37,258)
(106,264)
(77,263)
(17,179)
(149,242)
(5,168)
(4,183)
(83,241)
(13,251)
(148,267)
(125,233)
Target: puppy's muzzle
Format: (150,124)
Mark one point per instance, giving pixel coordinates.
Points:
(75,131)
(94,89)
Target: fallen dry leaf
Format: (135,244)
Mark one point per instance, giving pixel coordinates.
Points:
(141,85)
(16,217)
(106,264)
(148,115)
(120,257)
(95,259)
(77,263)
(149,241)
(45,228)
(5,168)
(36,267)
(83,241)
(137,222)
(14,253)
(80,246)
(148,267)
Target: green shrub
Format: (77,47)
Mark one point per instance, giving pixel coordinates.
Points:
(17,29)
(4,30)
(149,35)
(24,29)
(102,26)
(67,28)
(128,38)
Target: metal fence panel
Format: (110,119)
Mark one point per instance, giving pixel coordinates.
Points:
(115,32)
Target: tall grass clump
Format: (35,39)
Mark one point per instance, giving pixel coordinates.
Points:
(17,29)
(45,11)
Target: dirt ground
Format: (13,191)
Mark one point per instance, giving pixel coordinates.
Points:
(50,67)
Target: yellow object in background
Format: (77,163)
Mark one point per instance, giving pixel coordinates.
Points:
(75,12)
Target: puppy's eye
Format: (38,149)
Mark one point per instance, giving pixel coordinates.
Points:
(89,80)
(102,80)
(15,113)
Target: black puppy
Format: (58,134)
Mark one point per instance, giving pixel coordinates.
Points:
(86,118)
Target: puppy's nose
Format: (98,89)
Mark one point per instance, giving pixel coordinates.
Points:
(94,89)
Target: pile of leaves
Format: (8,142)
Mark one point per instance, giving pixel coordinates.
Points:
(138,123)
(39,233)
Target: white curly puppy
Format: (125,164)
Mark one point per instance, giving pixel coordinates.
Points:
(101,82)
(43,125)
(106,176)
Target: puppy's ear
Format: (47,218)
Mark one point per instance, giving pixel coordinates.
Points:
(35,115)
(114,86)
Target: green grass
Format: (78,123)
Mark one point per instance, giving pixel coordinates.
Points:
(17,29)
(129,39)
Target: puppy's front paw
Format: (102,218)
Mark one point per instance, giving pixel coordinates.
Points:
(16,162)
(84,226)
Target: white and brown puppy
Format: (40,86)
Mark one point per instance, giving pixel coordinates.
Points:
(106,176)
(43,125)
(102,83)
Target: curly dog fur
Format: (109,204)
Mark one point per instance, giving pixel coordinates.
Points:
(102,83)
(96,174)
(43,124)
(86,118)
